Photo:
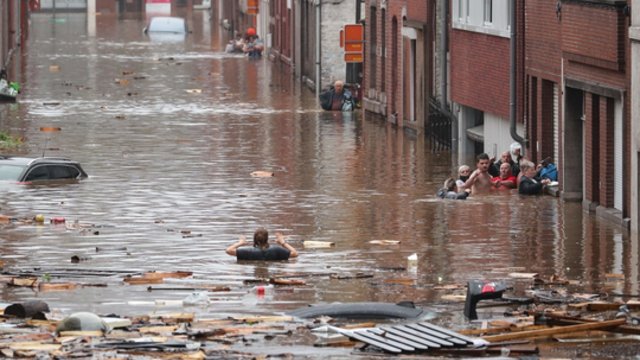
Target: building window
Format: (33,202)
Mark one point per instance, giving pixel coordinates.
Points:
(488,11)
(483,16)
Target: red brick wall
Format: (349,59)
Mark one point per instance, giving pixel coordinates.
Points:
(591,147)
(605,158)
(590,35)
(543,39)
(418,10)
(480,71)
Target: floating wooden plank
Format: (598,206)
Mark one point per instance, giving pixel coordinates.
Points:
(309,244)
(523,275)
(142,280)
(176,317)
(556,330)
(167,275)
(24,281)
(260,173)
(34,346)
(402,281)
(384,242)
(50,129)
(296,282)
(259,319)
(56,286)
(158,329)
(91,333)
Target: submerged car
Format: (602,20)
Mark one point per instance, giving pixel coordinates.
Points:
(166,28)
(39,169)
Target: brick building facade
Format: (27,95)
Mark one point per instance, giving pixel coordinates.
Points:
(577,75)
(399,60)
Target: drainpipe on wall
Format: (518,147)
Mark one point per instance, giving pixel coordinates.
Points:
(443,51)
(318,80)
(512,80)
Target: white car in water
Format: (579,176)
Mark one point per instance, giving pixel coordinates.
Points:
(166,28)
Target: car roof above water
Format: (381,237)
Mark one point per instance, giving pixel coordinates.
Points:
(167,24)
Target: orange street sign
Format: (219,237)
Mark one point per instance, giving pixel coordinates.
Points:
(353,38)
(355,57)
(253,7)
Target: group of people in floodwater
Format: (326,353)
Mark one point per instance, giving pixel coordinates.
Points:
(511,171)
(249,44)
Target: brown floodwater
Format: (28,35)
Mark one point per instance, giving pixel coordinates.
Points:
(170,131)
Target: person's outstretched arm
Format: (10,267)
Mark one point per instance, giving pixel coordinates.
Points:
(231,250)
(280,240)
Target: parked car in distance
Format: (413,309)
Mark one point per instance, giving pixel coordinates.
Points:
(39,169)
(166,28)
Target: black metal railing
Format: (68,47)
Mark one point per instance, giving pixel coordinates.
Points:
(438,126)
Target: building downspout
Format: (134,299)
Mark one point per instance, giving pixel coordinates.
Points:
(318,62)
(443,51)
(512,80)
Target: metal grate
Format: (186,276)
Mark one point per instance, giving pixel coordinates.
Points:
(409,337)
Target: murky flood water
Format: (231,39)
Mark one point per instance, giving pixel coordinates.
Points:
(170,132)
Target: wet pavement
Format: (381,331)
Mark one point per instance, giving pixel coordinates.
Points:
(170,132)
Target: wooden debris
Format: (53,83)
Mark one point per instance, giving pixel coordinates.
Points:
(317,244)
(212,288)
(142,280)
(259,319)
(50,129)
(89,333)
(54,68)
(167,275)
(34,346)
(56,286)
(161,329)
(401,281)
(29,281)
(523,275)
(260,173)
(454,297)
(176,318)
(384,242)
(358,275)
(276,281)
(556,330)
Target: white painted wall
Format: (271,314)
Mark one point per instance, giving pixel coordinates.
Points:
(335,14)
(497,134)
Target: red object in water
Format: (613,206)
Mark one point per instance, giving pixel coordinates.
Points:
(260,290)
(57,220)
(488,287)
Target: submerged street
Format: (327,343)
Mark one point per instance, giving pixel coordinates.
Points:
(170,132)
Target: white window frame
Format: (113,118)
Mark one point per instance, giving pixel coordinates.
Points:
(488,12)
(487,16)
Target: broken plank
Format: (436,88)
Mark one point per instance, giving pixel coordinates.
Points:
(81,333)
(35,346)
(142,280)
(276,281)
(556,330)
(24,281)
(56,286)
(523,275)
(167,275)
(158,329)
(309,244)
(256,319)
